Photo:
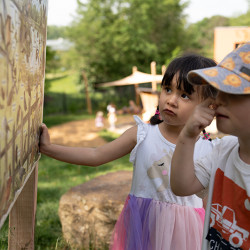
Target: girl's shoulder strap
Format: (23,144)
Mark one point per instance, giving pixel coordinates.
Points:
(142,130)
(138,120)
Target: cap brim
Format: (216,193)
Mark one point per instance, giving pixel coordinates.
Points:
(221,79)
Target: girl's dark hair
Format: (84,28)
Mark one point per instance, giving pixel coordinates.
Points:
(182,65)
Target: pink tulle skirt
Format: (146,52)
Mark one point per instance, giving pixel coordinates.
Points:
(147,224)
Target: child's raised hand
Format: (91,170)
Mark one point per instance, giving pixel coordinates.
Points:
(202,117)
(44,141)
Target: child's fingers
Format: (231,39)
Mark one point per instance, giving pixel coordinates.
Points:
(204,108)
(43,125)
(43,128)
(44,132)
(44,140)
(202,117)
(209,102)
(208,112)
(205,120)
(212,106)
(207,107)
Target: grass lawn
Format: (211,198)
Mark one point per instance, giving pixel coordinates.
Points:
(64,83)
(53,120)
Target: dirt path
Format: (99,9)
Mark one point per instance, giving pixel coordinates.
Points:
(84,133)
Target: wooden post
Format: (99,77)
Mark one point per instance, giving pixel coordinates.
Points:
(137,96)
(163,69)
(89,107)
(153,72)
(22,216)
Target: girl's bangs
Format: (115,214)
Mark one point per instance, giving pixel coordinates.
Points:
(182,82)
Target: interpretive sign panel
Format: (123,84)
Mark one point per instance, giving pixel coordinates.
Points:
(23,28)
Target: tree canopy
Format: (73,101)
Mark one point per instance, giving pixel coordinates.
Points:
(54,32)
(111,36)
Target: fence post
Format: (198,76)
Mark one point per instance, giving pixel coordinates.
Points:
(137,96)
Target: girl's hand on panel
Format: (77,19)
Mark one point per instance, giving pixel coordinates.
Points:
(44,141)
(202,116)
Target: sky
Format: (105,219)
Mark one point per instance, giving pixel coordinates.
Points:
(62,12)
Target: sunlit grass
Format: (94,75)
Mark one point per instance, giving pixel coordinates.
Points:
(66,83)
(52,120)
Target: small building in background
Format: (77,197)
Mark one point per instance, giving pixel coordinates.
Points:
(60,44)
(226,39)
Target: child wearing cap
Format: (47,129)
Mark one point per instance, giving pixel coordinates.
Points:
(226,169)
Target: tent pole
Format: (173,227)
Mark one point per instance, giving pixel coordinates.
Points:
(137,96)
(153,72)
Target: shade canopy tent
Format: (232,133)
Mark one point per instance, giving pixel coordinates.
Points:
(136,78)
(149,96)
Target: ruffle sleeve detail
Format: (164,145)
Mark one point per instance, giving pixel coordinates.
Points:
(142,129)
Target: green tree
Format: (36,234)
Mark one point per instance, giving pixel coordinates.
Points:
(54,32)
(201,34)
(52,60)
(242,20)
(52,65)
(111,36)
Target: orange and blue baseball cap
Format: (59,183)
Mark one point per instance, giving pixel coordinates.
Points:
(231,75)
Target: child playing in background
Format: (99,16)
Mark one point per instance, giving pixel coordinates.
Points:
(99,119)
(112,118)
(226,169)
(153,217)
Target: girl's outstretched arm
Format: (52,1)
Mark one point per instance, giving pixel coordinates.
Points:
(89,156)
(183,179)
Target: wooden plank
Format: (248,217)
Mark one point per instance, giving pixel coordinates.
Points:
(153,72)
(22,216)
(137,96)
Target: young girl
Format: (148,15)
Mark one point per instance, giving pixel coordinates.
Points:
(153,217)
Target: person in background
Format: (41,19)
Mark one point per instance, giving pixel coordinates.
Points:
(99,119)
(131,109)
(226,169)
(153,217)
(112,118)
